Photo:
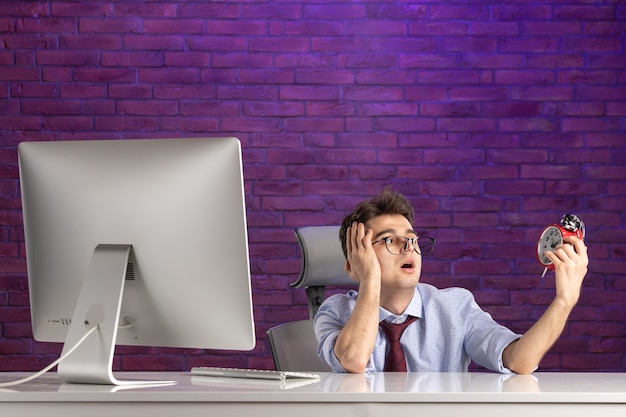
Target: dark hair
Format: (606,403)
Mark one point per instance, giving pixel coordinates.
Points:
(386,202)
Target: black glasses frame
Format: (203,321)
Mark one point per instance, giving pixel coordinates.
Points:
(426,246)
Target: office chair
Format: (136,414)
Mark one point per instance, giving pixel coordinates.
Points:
(294,345)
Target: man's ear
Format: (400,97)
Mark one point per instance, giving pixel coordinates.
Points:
(348,270)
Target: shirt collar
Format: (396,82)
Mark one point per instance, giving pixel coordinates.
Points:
(415,308)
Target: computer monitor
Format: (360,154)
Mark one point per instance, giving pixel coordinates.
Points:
(145,238)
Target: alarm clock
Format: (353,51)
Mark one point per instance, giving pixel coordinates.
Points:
(553,235)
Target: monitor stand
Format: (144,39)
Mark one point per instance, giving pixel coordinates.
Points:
(99,304)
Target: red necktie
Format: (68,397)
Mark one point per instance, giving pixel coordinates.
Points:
(395,361)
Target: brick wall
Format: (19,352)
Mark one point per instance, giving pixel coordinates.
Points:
(493,117)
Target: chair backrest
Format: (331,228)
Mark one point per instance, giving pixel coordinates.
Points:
(322,263)
(294,345)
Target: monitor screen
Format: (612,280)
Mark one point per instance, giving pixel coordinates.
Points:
(144,238)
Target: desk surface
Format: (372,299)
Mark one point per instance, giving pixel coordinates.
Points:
(404,391)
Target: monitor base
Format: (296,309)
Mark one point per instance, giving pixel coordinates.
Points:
(99,304)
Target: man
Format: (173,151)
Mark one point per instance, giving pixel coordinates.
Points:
(447,328)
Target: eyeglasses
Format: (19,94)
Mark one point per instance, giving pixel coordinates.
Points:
(397,245)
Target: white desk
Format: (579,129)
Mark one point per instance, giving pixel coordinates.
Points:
(390,394)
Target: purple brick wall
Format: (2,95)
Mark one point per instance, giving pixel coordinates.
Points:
(493,117)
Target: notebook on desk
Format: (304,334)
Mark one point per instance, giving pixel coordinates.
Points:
(251,373)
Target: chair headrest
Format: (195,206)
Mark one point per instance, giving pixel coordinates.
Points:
(322,258)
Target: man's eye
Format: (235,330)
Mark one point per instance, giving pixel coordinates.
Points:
(389,240)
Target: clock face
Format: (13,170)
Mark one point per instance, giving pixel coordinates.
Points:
(548,241)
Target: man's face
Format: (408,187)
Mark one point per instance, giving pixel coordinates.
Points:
(398,271)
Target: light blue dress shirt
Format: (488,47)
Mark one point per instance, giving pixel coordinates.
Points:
(451,331)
